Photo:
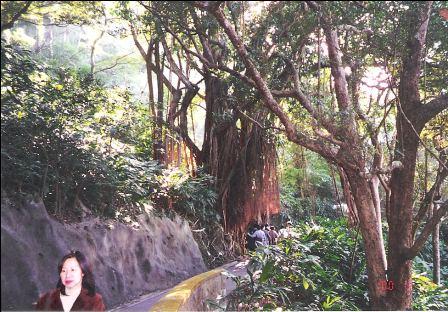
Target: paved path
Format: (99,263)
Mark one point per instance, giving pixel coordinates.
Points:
(145,302)
(237,268)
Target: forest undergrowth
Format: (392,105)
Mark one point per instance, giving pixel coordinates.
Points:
(322,269)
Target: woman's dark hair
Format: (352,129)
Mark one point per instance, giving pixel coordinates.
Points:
(88,281)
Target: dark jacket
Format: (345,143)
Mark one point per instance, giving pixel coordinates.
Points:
(52,302)
(250,241)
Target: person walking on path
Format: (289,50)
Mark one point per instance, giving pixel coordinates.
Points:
(273,235)
(250,239)
(266,232)
(260,236)
(286,231)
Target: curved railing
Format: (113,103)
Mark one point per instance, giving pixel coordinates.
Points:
(192,294)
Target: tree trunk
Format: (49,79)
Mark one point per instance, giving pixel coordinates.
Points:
(346,190)
(435,249)
(151,101)
(159,151)
(436,254)
(401,216)
(374,188)
(409,124)
(376,266)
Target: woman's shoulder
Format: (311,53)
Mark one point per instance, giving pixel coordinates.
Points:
(88,302)
(48,300)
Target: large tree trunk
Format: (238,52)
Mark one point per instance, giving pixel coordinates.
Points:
(409,123)
(243,162)
(401,216)
(376,266)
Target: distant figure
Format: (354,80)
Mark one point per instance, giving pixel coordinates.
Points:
(75,290)
(273,235)
(266,233)
(250,239)
(341,207)
(286,231)
(260,236)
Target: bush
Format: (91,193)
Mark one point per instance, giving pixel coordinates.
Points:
(322,269)
(66,138)
(427,295)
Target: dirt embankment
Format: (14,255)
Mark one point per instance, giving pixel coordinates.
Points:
(127,261)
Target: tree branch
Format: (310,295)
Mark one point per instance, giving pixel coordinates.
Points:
(137,43)
(186,101)
(417,133)
(434,107)
(256,122)
(409,91)
(115,64)
(10,24)
(442,173)
(427,230)
(174,66)
(200,57)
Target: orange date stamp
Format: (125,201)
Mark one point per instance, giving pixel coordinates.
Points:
(389,285)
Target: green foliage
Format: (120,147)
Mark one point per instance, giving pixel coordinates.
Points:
(427,295)
(9,9)
(59,12)
(318,270)
(305,184)
(195,197)
(323,268)
(423,263)
(67,138)
(45,134)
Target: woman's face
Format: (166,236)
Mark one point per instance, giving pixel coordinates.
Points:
(71,273)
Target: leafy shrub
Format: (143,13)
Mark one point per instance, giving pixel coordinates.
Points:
(41,149)
(323,268)
(306,187)
(423,262)
(66,138)
(196,198)
(427,295)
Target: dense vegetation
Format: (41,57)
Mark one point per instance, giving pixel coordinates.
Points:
(322,269)
(67,138)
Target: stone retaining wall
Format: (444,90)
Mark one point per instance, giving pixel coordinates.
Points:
(127,261)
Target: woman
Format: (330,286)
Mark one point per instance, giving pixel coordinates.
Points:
(75,289)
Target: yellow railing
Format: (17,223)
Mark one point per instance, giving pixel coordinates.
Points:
(177,298)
